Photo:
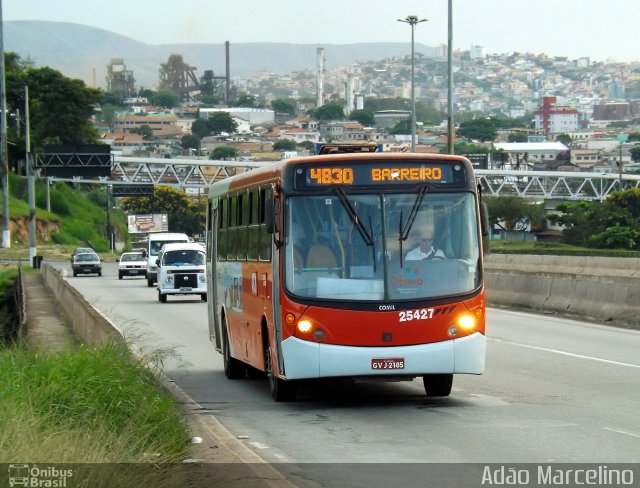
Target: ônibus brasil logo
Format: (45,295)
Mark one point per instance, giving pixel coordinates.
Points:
(33,475)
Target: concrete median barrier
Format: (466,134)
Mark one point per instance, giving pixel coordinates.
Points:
(88,324)
(597,288)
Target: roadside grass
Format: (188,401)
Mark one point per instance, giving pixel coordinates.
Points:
(559,248)
(86,405)
(80,212)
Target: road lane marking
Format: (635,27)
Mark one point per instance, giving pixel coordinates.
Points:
(565,353)
(632,434)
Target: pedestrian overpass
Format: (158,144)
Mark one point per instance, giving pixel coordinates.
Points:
(201,173)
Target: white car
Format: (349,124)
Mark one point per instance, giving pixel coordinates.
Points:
(181,271)
(132,264)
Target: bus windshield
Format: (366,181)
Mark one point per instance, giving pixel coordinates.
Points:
(381,246)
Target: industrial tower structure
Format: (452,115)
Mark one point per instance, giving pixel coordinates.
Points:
(178,77)
(120,80)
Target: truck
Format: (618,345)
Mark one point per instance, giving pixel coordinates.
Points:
(155,242)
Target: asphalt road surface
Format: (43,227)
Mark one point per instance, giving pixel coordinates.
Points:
(554,391)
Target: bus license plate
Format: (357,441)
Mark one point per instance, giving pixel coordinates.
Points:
(185,288)
(387,363)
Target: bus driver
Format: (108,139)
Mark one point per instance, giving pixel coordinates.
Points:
(425,250)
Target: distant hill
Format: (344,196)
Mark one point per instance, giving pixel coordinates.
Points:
(77,50)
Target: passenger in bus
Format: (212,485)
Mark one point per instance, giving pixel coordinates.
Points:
(426,248)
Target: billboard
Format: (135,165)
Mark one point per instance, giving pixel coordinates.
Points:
(147,223)
(479,160)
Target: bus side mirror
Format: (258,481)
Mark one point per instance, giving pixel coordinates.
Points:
(484,219)
(271,216)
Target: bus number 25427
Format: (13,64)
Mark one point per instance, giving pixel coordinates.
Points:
(419,314)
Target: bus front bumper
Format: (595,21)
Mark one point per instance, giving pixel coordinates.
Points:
(304,359)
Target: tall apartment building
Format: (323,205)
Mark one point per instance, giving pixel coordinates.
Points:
(553,119)
(478,52)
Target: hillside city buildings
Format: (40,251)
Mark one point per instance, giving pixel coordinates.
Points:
(596,104)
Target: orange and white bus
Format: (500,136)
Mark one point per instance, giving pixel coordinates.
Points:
(312,272)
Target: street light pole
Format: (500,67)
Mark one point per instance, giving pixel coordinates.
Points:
(450,147)
(6,232)
(412,20)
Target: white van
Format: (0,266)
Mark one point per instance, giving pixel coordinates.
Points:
(154,244)
(182,271)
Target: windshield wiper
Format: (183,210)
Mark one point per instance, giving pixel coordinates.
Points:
(405,229)
(366,234)
(355,218)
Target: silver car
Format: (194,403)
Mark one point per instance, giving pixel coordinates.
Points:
(87,263)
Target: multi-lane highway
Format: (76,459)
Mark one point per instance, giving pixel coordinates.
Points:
(555,391)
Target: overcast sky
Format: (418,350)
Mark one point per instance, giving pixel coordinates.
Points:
(601,30)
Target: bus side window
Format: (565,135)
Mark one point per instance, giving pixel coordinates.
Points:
(243,220)
(265,239)
(232,240)
(253,238)
(223,210)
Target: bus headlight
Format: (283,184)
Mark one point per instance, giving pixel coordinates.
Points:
(304,326)
(466,322)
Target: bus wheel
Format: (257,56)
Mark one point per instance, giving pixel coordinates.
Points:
(281,390)
(233,369)
(437,385)
(162,298)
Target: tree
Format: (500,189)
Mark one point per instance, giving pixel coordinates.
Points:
(308,145)
(284,145)
(189,141)
(633,136)
(145,131)
(284,106)
(110,98)
(245,100)
(610,223)
(517,137)
(223,153)
(401,127)
(165,99)
(463,147)
(200,128)
(329,111)
(365,117)
(220,122)
(564,139)
(481,128)
(60,107)
(635,154)
(513,213)
(183,214)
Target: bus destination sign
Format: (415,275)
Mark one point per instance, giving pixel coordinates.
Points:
(380,173)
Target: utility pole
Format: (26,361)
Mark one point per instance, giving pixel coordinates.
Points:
(450,149)
(30,181)
(6,230)
(620,167)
